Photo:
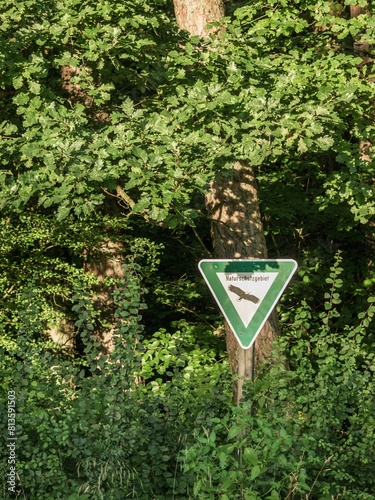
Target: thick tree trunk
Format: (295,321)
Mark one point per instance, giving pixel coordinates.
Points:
(233,208)
(105,261)
(361,49)
(194,15)
(237,232)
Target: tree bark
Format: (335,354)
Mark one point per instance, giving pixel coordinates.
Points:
(105,261)
(233,208)
(194,15)
(361,48)
(237,233)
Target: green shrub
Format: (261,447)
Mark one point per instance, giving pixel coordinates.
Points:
(308,433)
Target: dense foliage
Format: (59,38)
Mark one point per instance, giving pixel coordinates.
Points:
(112,125)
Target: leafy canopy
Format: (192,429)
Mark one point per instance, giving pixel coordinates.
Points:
(159,114)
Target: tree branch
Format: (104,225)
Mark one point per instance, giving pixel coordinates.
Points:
(121,194)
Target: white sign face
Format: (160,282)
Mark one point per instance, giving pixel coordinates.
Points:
(246,291)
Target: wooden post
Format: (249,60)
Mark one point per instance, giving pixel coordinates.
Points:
(242,363)
(245,371)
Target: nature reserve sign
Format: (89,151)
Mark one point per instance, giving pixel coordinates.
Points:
(247,291)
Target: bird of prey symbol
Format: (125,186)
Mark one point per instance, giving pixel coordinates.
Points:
(242,294)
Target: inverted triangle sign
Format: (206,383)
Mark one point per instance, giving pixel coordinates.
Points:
(247,291)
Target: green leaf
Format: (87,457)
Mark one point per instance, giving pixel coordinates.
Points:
(251,456)
(255,472)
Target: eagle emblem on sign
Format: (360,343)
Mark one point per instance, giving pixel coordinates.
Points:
(242,294)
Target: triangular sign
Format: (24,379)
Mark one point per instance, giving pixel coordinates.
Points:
(247,291)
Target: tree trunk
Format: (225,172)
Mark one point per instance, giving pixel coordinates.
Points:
(194,15)
(105,261)
(361,48)
(233,208)
(237,233)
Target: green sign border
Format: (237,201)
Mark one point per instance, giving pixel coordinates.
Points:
(209,269)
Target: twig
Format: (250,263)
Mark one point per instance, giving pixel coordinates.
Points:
(200,241)
(317,477)
(9,291)
(121,194)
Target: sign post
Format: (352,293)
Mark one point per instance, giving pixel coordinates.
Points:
(246,292)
